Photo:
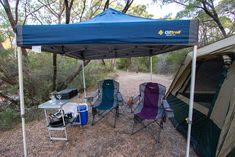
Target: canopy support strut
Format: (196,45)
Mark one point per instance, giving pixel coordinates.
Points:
(151,68)
(83,78)
(192,86)
(21,89)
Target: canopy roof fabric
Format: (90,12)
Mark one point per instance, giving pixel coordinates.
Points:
(111,34)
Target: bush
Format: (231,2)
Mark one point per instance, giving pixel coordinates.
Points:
(136,64)
(169,63)
(123,63)
(8,118)
(162,64)
(94,72)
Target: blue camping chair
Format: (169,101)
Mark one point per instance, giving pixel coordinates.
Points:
(108,99)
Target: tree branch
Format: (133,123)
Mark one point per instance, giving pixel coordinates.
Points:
(1,2)
(64,84)
(32,12)
(7,9)
(16,10)
(83,10)
(49,8)
(68,10)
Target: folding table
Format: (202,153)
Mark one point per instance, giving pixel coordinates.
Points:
(55,104)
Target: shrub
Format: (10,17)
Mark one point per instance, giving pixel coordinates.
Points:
(8,118)
(136,64)
(94,72)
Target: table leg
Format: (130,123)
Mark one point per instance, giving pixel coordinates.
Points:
(65,131)
(47,122)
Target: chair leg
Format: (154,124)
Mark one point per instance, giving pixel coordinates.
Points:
(160,129)
(115,116)
(94,111)
(161,124)
(133,127)
(159,136)
(117,110)
(138,120)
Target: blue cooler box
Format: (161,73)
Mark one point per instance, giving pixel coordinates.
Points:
(82,117)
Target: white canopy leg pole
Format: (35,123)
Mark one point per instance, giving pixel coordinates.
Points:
(22,110)
(151,68)
(190,114)
(83,77)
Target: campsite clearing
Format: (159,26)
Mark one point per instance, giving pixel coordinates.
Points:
(101,139)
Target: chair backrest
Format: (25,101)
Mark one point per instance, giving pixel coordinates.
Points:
(108,90)
(152,94)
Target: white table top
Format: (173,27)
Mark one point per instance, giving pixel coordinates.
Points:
(54,104)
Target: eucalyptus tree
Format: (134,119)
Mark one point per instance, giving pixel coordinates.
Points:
(216,16)
(45,12)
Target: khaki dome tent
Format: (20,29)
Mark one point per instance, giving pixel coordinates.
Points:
(213,127)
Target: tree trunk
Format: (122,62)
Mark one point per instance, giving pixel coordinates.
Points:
(213,14)
(8,11)
(216,19)
(106,6)
(68,8)
(127,6)
(54,71)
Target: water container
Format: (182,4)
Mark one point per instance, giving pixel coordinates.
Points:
(82,117)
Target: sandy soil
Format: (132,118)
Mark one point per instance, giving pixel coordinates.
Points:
(101,140)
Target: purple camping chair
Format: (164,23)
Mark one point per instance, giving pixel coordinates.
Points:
(150,106)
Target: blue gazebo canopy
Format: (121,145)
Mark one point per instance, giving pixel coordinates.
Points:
(111,34)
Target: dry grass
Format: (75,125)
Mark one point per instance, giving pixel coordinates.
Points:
(101,139)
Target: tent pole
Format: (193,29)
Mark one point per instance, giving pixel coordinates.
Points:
(21,88)
(190,114)
(83,78)
(151,68)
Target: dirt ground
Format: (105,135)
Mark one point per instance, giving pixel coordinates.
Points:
(101,140)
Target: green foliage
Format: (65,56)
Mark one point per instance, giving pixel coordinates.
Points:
(8,71)
(1,37)
(38,87)
(169,63)
(139,10)
(8,118)
(34,113)
(162,64)
(41,66)
(216,18)
(123,63)
(94,72)
(137,64)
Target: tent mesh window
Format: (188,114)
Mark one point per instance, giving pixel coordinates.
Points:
(208,78)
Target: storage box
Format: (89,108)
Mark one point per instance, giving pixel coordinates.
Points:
(66,94)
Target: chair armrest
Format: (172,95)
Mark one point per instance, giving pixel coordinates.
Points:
(119,97)
(91,98)
(167,109)
(136,100)
(166,105)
